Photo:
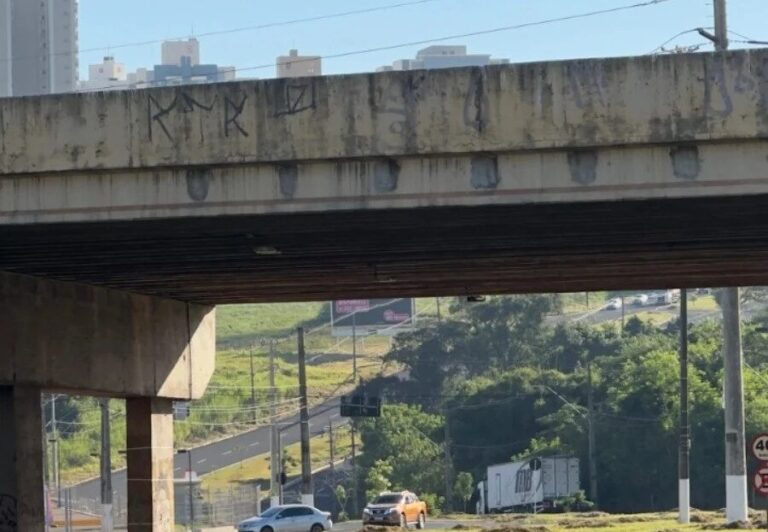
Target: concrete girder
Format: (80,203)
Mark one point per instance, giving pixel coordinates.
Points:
(95,341)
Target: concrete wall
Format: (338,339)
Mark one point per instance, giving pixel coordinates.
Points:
(70,337)
(588,103)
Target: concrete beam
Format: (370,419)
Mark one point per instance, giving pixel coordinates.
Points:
(149,457)
(22,488)
(538,106)
(469,180)
(71,337)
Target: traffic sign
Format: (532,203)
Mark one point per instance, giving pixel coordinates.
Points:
(360,406)
(760,480)
(760,447)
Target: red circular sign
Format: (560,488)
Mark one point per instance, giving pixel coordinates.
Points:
(760,480)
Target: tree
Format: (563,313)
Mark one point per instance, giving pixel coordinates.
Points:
(377,479)
(342,497)
(464,487)
(409,440)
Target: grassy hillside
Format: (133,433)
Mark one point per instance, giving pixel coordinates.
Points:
(227,407)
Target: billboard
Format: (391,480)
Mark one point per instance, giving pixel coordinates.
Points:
(371,316)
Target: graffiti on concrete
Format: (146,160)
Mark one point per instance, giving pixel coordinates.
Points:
(156,112)
(232,111)
(293,98)
(8,519)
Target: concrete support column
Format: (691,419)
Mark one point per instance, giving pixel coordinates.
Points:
(22,488)
(149,439)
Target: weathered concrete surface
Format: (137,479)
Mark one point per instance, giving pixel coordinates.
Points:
(614,173)
(149,457)
(587,103)
(564,176)
(66,336)
(22,502)
(603,129)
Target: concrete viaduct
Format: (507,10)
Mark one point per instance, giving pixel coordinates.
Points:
(125,217)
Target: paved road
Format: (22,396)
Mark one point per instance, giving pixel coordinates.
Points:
(225,452)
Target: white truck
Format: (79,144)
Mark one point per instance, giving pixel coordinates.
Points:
(528,486)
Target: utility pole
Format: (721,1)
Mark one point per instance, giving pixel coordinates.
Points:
(439,316)
(330,442)
(354,347)
(253,388)
(684,483)
(721,26)
(274,440)
(307,497)
(355,507)
(591,435)
(55,450)
(733,391)
(447,466)
(107,524)
(622,315)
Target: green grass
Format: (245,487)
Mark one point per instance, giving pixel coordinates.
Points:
(703,303)
(241,325)
(577,302)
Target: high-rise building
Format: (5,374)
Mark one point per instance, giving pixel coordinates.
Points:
(174,52)
(294,65)
(6,82)
(40,40)
(443,56)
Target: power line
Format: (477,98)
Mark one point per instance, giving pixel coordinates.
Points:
(660,48)
(422,42)
(256,27)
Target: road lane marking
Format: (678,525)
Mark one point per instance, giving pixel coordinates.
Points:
(201,461)
(227,452)
(253,444)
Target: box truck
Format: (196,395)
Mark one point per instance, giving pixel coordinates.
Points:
(528,486)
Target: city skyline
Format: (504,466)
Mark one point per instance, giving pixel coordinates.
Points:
(254,51)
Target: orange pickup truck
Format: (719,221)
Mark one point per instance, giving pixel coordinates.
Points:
(401,508)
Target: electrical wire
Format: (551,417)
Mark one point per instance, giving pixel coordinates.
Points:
(229,31)
(421,42)
(660,48)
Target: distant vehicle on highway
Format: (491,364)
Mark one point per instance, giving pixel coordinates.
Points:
(614,304)
(400,508)
(666,297)
(640,300)
(288,518)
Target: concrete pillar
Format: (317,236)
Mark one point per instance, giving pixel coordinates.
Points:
(149,453)
(22,498)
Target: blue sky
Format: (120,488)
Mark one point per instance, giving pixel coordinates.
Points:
(106,24)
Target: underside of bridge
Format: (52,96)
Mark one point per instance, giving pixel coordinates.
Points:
(126,216)
(438,251)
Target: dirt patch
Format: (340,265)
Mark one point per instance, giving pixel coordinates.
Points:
(521,528)
(702,518)
(636,518)
(739,525)
(586,523)
(370,528)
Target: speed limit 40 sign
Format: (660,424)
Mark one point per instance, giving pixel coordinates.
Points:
(760,447)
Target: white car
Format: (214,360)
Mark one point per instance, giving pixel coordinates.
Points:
(640,300)
(288,518)
(614,304)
